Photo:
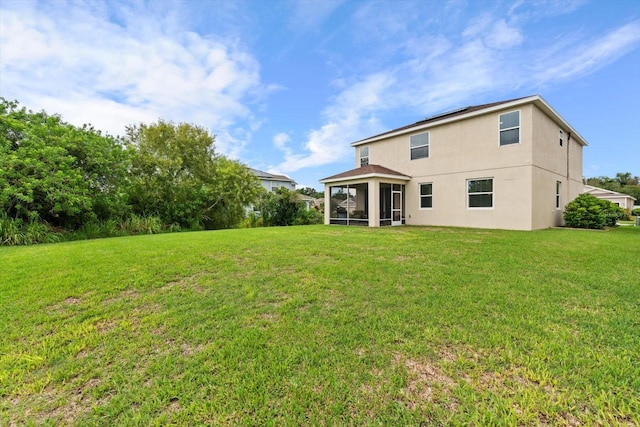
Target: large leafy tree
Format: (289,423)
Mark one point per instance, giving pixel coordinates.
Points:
(53,171)
(177,175)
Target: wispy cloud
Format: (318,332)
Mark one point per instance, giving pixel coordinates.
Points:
(440,69)
(113,67)
(591,55)
(308,15)
(346,118)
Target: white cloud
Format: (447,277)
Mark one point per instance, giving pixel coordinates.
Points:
(280,140)
(437,71)
(118,67)
(503,36)
(308,15)
(590,55)
(346,119)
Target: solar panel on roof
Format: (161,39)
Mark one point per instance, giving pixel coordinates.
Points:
(446,113)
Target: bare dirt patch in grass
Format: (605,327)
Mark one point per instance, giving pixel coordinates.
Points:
(78,403)
(426,382)
(190,283)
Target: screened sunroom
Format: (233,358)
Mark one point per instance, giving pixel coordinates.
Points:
(371,196)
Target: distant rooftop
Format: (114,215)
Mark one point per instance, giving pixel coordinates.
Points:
(270,177)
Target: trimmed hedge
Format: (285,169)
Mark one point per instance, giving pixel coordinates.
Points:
(587,211)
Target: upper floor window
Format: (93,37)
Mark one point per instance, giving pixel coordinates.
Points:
(561,137)
(419,146)
(510,128)
(426,196)
(480,193)
(364,156)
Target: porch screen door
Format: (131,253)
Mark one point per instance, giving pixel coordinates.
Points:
(396,207)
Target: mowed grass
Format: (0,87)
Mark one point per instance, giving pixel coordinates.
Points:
(322,325)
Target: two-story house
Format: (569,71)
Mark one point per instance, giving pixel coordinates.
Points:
(270,181)
(512,164)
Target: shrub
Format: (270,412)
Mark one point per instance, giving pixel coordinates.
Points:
(252,220)
(14,231)
(142,224)
(308,216)
(587,211)
(635,212)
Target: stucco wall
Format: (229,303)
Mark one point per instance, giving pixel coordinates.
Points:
(511,204)
(466,145)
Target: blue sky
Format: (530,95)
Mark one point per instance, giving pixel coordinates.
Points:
(286,86)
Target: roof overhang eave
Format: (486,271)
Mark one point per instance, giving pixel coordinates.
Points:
(365,176)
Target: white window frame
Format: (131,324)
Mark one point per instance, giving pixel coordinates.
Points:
(492,192)
(363,157)
(411,147)
(561,137)
(558,197)
(500,130)
(421,196)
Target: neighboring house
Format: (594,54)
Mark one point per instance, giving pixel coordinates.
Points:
(623,200)
(270,181)
(512,164)
(310,202)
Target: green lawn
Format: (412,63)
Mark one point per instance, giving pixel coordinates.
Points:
(323,325)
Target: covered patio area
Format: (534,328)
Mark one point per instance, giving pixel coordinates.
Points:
(370,195)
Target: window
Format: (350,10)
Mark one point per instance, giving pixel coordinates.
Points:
(364,156)
(558,187)
(419,146)
(426,196)
(480,193)
(349,204)
(561,138)
(510,128)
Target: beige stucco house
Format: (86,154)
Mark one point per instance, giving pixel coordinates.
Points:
(270,181)
(511,164)
(625,201)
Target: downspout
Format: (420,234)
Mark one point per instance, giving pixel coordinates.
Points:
(568,143)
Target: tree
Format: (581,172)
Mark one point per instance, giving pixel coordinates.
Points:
(280,207)
(56,172)
(177,175)
(311,192)
(621,180)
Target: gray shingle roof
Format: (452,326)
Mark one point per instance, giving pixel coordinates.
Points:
(365,170)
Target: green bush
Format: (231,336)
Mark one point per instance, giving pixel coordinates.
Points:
(252,220)
(308,217)
(14,231)
(147,224)
(635,212)
(587,211)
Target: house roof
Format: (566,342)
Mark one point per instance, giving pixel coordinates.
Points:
(604,192)
(472,111)
(367,171)
(270,177)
